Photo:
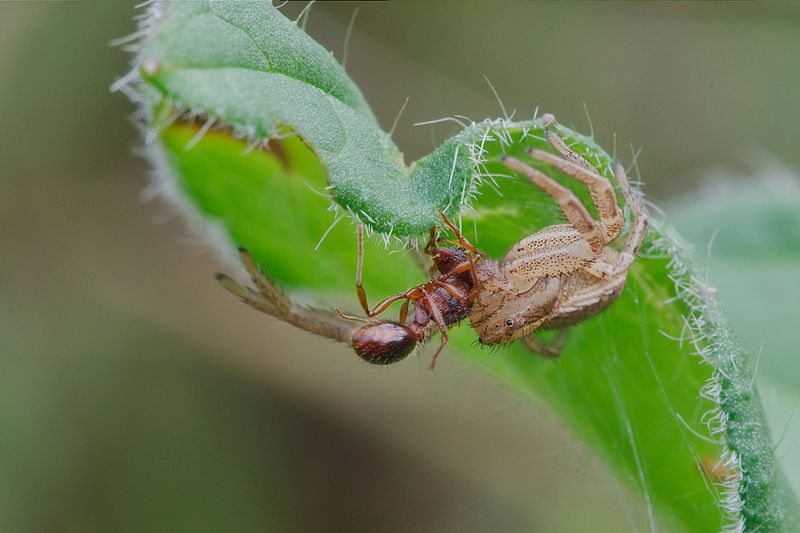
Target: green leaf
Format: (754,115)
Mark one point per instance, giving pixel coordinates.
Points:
(261,134)
(752,231)
(754,235)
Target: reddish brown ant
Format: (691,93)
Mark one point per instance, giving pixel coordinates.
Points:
(443,301)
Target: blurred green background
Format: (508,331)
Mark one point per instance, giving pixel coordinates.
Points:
(135,395)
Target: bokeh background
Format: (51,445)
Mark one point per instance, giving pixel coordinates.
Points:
(135,395)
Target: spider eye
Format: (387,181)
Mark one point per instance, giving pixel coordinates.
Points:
(509,322)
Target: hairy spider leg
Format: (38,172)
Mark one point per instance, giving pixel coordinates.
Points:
(609,286)
(608,269)
(561,147)
(577,215)
(600,189)
(270,300)
(551,349)
(640,220)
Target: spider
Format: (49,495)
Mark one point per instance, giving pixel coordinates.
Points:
(562,274)
(441,302)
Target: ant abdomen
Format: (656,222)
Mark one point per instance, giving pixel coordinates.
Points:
(384,343)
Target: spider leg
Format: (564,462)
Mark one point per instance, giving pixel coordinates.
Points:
(640,219)
(265,286)
(269,299)
(558,143)
(578,216)
(549,349)
(600,283)
(600,189)
(247,295)
(610,265)
(591,295)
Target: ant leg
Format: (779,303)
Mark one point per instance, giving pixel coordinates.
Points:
(550,349)
(362,294)
(439,319)
(462,241)
(381,306)
(435,358)
(404,312)
(430,248)
(578,216)
(459,269)
(600,189)
(466,245)
(453,291)
(421,257)
(269,299)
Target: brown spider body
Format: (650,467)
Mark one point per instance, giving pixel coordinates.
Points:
(562,274)
(503,313)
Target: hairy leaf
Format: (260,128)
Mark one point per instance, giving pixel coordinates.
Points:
(258,131)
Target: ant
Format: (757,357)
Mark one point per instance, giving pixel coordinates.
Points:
(443,301)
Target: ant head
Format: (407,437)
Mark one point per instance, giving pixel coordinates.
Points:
(446,259)
(384,343)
